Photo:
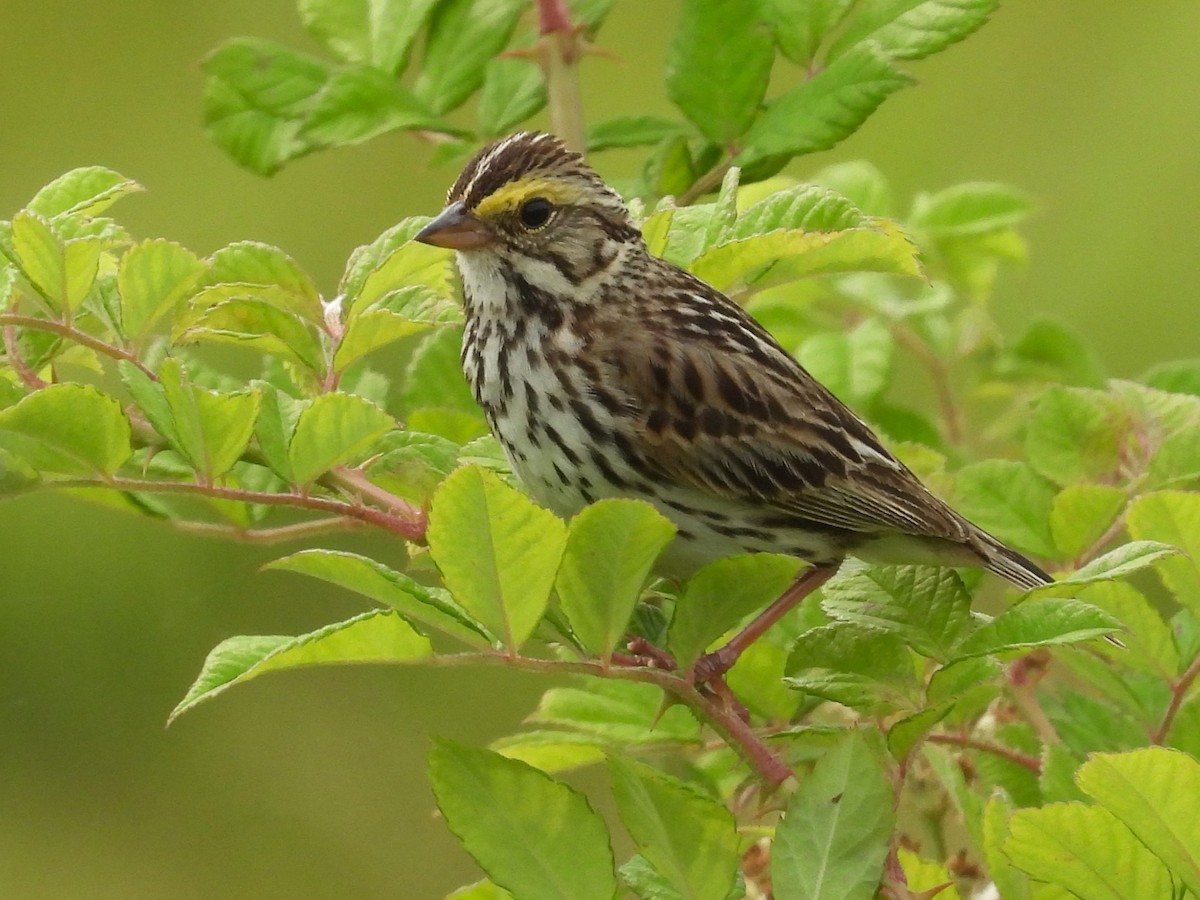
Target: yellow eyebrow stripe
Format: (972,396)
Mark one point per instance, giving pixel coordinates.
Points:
(511,196)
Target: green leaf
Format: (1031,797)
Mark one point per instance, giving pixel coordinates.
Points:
(621,712)
(927,606)
(497,551)
(834,838)
(859,182)
(334,430)
(391,268)
(253,263)
(859,661)
(825,109)
(632,131)
(1147,638)
(801,27)
(1152,791)
(1039,622)
(855,365)
(412,464)
(720,595)
(1180,376)
(378,32)
(907,733)
(87,191)
(552,750)
(786,255)
(1074,435)
(1010,500)
(379,636)
(532,835)
(435,378)
(805,207)
(971,208)
(41,256)
(922,876)
(1049,351)
(480,890)
(429,606)
(1011,882)
(1082,514)
(1172,517)
(255,324)
(718,66)
(68,429)
(1118,563)
(256,99)
(688,837)
(211,429)
(913,29)
(360,102)
(463,35)
(610,548)
(153,278)
(371,330)
(1085,850)
(513,90)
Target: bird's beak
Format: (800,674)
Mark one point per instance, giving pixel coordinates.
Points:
(456,229)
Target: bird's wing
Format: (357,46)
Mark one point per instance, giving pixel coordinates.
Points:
(720,407)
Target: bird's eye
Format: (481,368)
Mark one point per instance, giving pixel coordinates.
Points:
(536,212)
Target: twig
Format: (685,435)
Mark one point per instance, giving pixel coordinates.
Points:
(63,329)
(28,377)
(294,532)
(1179,691)
(705,182)
(407,522)
(1032,763)
(737,734)
(939,374)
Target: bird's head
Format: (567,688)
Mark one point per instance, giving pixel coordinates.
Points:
(526,203)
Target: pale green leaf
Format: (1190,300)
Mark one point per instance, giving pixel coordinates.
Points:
(497,551)
(255,263)
(371,330)
(379,32)
(1011,882)
(552,750)
(688,837)
(86,191)
(1086,850)
(1039,622)
(1073,435)
(720,595)
(210,428)
(622,712)
(1172,517)
(1116,563)
(610,548)
(379,636)
(256,324)
(1146,636)
(153,278)
(429,606)
(833,840)
(532,835)
(970,209)
(336,429)
(1010,500)
(913,29)
(855,365)
(68,429)
(1152,791)
(922,875)
(41,256)
(1082,514)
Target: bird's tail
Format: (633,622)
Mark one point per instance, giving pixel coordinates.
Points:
(1011,565)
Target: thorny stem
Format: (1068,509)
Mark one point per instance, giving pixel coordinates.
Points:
(939,374)
(1032,763)
(406,521)
(558,52)
(725,722)
(1179,690)
(65,329)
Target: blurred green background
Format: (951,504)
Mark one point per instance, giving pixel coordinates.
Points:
(312,784)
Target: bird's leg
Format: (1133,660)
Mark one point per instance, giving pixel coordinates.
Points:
(713,665)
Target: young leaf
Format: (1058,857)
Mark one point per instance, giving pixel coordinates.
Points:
(610,548)
(632,131)
(925,878)
(927,606)
(906,733)
(513,90)
(552,750)
(534,836)
(1038,623)
(42,257)
(1010,500)
(801,27)
(1117,563)
(1085,850)
(688,837)
(333,430)
(256,99)
(87,191)
(463,36)
(718,66)
(621,712)
(1180,376)
(1074,435)
(1174,518)
(68,429)
(1082,514)
(497,551)
(428,605)
(913,29)
(722,594)
(379,636)
(209,428)
(833,840)
(253,263)
(252,323)
(1152,791)
(154,276)
(824,110)
(379,33)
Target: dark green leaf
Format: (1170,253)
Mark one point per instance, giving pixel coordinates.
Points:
(463,36)
(358,103)
(513,90)
(534,836)
(801,25)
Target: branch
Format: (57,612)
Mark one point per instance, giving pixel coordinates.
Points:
(409,522)
(1178,692)
(1032,763)
(10,320)
(294,532)
(28,377)
(736,733)
(558,51)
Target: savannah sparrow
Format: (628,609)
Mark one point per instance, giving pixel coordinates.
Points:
(607,372)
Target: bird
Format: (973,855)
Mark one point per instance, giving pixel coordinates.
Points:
(605,371)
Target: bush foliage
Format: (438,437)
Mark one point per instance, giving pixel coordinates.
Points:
(934,747)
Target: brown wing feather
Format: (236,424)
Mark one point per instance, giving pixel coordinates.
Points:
(724,409)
